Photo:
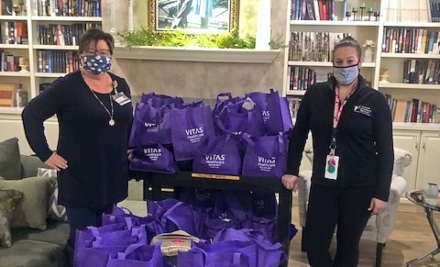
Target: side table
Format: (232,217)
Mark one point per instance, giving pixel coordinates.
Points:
(429,205)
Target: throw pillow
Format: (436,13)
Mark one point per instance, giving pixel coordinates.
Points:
(32,209)
(56,212)
(10,166)
(8,203)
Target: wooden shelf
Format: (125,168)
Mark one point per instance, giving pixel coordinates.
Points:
(295,92)
(410,86)
(11,110)
(13,18)
(335,23)
(410,55)
(412,24)
(49,75)
(14,46)
(56,47)
(55,18)
(15,74)
(325,64)
(196,54)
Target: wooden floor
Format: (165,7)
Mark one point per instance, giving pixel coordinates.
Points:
(411,237)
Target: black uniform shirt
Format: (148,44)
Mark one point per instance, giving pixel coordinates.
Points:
(364,137)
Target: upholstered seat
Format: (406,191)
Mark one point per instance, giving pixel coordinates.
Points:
(379,227)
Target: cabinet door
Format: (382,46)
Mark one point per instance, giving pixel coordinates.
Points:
(429,166)
(409,140)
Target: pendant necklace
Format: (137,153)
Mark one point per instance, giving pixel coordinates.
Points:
(111,122)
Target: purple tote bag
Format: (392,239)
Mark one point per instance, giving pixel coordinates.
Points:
(150,125)
(269,254)
(218,155)
(229,253)
(138,255)
(103,242)
(190,126)
(160,100)
(266,156)
(241,117)
(173,215)
(153,158)
(275,111)
(269,104)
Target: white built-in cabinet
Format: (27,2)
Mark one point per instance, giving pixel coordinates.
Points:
(423,141)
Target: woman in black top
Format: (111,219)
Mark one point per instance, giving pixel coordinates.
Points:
(353,158)
(94,114)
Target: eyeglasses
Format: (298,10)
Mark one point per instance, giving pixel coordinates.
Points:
(103,52)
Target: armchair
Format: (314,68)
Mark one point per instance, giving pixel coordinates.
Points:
(379,227)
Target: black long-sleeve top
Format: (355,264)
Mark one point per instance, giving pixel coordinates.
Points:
(96,153)
(364,137)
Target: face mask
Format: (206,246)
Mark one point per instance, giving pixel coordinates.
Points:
(346,75)
(96,64)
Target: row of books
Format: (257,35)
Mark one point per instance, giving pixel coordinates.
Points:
(413,11)
(67,8)
(412,110)
(13,32)
(313,46)
(312,10)
(301,77)
(9,62)
(63,34)
(421,71)
(410,40)
(57,61)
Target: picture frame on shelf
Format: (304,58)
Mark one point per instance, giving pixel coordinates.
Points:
(193,16)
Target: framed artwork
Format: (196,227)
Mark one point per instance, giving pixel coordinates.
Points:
(193,16)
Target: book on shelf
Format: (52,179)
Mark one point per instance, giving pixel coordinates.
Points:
(7,94)
(13,32)
(50,61)
(294,104)
(313,46)
(312,9)
(63,34)
(9,62)
(6,7)
(421,71)
(67,8)
(412,110)
(301,78)
(433,7)
(410,40)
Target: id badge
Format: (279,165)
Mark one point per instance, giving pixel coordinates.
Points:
(121,98)
(331,167)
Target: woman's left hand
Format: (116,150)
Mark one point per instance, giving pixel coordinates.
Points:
(377,206)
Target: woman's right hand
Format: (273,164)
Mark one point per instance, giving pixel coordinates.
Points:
(290,182)
(56,162)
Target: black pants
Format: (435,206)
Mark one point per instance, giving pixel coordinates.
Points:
(330,206)
(80,218)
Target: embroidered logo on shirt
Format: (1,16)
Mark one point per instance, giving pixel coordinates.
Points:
(363,110)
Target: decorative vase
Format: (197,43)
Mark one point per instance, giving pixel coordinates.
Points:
(368,54)
(431,190)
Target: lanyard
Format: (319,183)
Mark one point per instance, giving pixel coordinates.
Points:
(336,115)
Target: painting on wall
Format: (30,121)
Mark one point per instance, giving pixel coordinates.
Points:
(193,16)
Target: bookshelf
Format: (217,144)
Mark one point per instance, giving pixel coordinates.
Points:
(408,20)
(46,55)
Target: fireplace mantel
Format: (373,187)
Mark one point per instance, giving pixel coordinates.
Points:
(194,54)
